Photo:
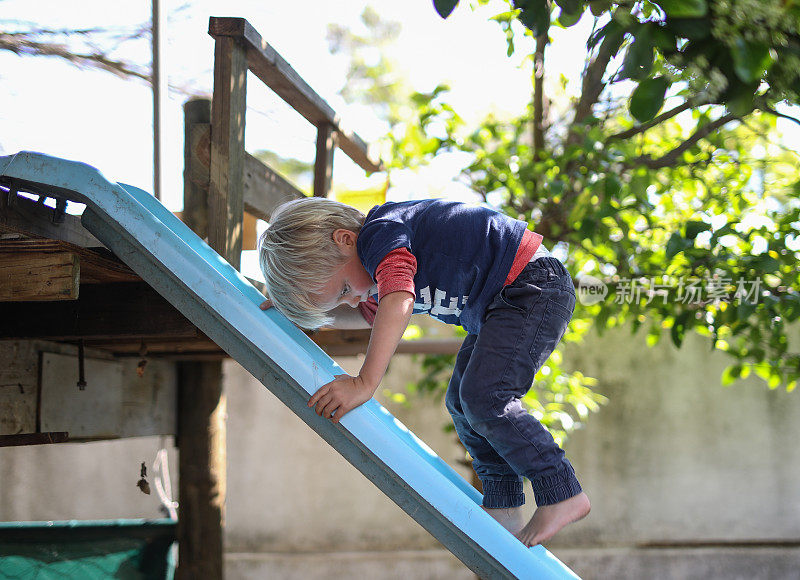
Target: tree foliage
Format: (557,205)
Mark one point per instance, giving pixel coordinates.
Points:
(674,191)
(664,176)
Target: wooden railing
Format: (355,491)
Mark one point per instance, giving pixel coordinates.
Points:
(236,181)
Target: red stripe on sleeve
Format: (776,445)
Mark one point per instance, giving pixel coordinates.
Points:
(396,272)
(527,248)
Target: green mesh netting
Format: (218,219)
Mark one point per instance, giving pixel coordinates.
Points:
(87,550)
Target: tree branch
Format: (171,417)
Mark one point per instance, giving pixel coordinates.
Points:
(22,46)
(538,95)
(593,84)
(628,133)
(772,111)
(671,158)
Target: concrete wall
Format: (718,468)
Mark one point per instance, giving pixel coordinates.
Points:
(688,479)
(295,498)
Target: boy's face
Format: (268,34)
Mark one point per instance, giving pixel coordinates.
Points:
(350,283)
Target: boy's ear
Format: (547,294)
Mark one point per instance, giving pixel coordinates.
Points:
(344,238)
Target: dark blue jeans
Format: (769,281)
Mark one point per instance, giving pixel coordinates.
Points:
(494,369)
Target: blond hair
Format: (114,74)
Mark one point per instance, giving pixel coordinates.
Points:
(298,255)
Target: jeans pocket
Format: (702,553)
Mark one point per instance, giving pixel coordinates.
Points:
(552,326)
(515,298)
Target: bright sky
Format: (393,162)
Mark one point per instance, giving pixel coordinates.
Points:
(50,106)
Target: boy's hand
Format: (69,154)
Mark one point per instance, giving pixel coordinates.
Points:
(340,396)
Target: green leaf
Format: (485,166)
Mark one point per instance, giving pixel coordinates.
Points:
(689,28)
(766,264)
(599,6)
(648,98)
(774,381)
(613,31)
(695,227)
(750,60)
(570,6)
(730,374)
(684,8)
(571,12)
(678,331)
(639,56)
(567,19)
(535,15)
(675,245)
(444,7)
(612,186)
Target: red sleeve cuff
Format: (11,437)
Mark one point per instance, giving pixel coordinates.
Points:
(368,310)
(396,273)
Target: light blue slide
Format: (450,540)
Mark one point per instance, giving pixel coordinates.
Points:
(225,306)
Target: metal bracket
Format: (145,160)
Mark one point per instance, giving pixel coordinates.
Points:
(60,211)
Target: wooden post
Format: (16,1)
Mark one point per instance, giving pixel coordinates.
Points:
(196,154)
(323,164)
(201,438)
(225,192)
(201,400)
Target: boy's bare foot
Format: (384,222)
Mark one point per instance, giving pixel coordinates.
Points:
(510,518)
(548,520)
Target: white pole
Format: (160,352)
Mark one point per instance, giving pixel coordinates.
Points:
(160,88)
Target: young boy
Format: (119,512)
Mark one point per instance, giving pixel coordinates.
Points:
(326,264)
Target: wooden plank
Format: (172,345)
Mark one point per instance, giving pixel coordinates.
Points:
(30,218)
(225,197)
(265,189)
(184,348)
(132,310)
(33,439)
(96,265)
(277,74)
(421,346)
(39,276)
(323,162)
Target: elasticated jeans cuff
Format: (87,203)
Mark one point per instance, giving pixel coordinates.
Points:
(555,488)
(502,493)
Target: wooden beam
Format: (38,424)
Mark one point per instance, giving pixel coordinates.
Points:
(160,346)
(355,342)
(39,277)
(277,74)
(323,163)
(97,265)
(33,439)
(225,197)
(102,311)
(263,188)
